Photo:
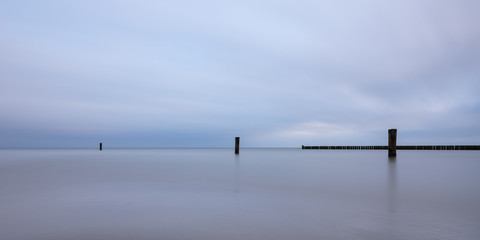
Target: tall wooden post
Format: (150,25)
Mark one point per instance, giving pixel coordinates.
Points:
(237,145)
(100,146)
(392,142)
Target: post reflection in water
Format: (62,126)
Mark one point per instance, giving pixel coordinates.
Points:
(237,173)
(392,184)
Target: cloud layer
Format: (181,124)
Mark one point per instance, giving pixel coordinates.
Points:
(276,73)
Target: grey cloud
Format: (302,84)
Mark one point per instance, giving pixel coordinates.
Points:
(279,73)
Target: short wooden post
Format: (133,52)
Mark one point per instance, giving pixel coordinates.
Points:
(392,142)
(237,145)
(100,146)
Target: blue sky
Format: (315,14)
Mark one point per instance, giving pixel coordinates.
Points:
(276,73)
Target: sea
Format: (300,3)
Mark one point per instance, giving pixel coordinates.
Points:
(196,194)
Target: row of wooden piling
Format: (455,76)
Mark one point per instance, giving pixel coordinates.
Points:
(392,146)
(347,147)
(440,147)
(405,147)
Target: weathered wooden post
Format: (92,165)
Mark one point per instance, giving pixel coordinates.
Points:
(392,142)
(100,146)
(237,145)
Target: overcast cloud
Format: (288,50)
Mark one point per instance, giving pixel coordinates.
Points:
(276,73)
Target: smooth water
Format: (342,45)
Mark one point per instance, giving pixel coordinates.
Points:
(258,194)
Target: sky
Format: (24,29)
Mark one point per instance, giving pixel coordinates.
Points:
(275,73)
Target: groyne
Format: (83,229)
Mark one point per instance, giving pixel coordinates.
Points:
(399,147)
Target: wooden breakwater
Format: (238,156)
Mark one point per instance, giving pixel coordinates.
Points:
(399,147)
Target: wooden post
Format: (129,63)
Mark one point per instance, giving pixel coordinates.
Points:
(392,142)
(237,145)
(100,146)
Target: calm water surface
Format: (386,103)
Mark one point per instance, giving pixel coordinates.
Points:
(259,194)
